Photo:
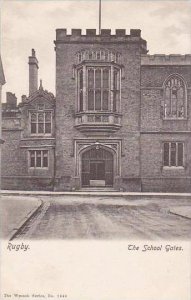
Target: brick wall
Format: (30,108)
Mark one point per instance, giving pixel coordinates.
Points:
(141,135)
(66,103)
(154,175)
(16,172)
(152,79)
(13,161)
(154,71)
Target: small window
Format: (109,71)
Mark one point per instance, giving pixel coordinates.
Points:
(41,122)
(173,154)
(32,159)
(38,158)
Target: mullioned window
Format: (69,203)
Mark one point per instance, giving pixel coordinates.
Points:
(174,99)
(98,81)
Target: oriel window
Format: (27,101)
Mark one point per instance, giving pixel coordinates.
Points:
(98,81)
(98,88)
(81,90)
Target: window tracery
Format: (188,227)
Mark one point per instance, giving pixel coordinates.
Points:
(174,100)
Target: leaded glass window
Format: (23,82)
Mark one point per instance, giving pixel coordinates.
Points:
(98,88)
(41,122)
(38,158)
(173,154)
(174,100)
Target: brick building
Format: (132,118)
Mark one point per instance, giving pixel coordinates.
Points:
(2,82)
(121,119)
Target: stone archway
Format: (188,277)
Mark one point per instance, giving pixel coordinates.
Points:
(97,165)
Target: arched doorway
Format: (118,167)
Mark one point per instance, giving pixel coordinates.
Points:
(97,167)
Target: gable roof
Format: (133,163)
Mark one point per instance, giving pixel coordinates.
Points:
(40,93)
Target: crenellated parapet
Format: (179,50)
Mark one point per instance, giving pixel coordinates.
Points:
(162,59)
(92,36)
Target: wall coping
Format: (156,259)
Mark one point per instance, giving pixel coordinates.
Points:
(162,59)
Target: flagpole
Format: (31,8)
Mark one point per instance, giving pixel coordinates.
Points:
(99,17)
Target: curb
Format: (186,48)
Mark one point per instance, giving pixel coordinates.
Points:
(38,217)
(129,195)
(177,214)
(15,231)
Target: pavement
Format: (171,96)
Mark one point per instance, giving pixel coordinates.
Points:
(184,211)
(14,212)
(65,215)
(105,217)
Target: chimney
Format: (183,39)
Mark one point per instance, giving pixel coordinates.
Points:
(11,100)
(23,98)
(33,73)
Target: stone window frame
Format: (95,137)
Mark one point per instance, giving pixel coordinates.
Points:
(176,166)
(99,54)
(163,104)
(35,150)
(82,92)
(37,112)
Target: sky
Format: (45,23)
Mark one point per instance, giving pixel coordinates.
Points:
(27,24)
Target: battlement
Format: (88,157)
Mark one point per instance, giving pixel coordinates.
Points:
(61,33)
(162,59)
(92,36)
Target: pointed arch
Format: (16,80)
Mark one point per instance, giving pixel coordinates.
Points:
(174,103)
(97,165)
